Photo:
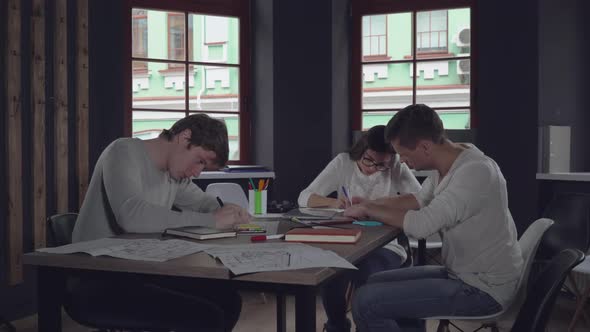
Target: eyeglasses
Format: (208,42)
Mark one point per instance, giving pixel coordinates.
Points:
(371,163)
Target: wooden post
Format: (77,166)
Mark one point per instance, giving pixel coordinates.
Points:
(14,140)
(38,108)
(82,98)
(61,105)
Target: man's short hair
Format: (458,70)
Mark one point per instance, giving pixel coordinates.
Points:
(413,123)
(206,132)
(373,139)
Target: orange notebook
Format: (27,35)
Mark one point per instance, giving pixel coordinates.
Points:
(324,235)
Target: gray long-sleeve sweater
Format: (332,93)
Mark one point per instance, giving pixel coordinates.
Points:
(139,195)
(469,208)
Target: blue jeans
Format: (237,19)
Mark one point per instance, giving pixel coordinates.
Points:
(334,292)
(396,300)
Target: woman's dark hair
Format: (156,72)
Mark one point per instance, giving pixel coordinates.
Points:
(413,123)
(206,132)
(373,139)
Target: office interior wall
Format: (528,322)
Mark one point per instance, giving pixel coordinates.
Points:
(506,97)
(563,71)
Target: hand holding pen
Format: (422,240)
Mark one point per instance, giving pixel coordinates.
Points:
(348,197)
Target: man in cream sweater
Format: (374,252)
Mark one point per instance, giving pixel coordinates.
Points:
(466,202)
(133,188)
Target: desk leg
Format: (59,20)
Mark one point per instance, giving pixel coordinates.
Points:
(50,288)
(305,300)
(421,251)
(281,313)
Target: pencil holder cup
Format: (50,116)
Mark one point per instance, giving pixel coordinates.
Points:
(257,201)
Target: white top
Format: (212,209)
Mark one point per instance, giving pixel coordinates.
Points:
(469,208)
(139,195)
(343,171)
(234,175)
(565,176)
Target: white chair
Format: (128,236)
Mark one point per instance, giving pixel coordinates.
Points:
(228,192)
(529,242)
(581,295)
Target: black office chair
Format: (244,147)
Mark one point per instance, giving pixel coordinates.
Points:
(536,310)
(60,228)
(571,214)
(105,307)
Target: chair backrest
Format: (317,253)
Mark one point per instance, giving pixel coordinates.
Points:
(536,310)
(529,242)
(571,213)
(60,227)
(228,192)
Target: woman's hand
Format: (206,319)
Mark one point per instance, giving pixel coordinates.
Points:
(357,200)
(339,203)
(357,211)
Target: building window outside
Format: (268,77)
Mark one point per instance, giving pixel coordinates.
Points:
(375,36)
(176,81)
(139,37)
(428,61)
(431,31)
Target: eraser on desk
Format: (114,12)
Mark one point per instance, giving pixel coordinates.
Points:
(368,223)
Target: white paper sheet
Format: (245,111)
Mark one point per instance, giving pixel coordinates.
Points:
(136,249)
(251,258)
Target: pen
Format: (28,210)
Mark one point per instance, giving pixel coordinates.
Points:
(256,238)
(219,201)
(346,195)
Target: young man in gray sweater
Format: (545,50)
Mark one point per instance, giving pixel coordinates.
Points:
(465,201)
(133,188)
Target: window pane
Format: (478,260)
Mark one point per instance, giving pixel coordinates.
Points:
(443,83)
(387,37)
(156,86)
(148,124)
(387,86)
(216,88)
(233,132)
(443,33)
(176,39)
(158,34)
(371,119)
(455,119)
(452,119)
(216,37)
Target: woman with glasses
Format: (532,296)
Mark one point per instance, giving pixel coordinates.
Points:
(369,170)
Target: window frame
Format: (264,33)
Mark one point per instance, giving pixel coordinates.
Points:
(360,8)
(232,8)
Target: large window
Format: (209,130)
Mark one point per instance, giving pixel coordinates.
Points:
(187,59)
(416,54)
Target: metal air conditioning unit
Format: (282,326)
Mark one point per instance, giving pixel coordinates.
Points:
(463,37)
(463,66)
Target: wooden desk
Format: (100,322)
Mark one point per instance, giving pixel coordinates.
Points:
(53,269)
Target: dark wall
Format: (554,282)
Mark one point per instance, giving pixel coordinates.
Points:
(107,89)
(506,97)
(301,94)
(563,69)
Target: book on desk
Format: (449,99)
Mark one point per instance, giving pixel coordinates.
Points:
(323,235)
(200,232)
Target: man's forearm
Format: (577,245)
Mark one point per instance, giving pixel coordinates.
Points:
(386,214)
(404,202)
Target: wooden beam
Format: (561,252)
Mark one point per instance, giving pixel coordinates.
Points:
(82,98)
(38,108)
(61,105)
(14,140)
